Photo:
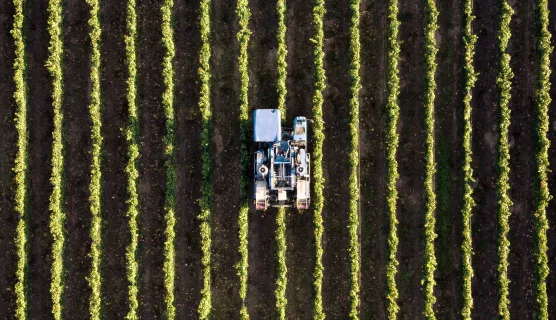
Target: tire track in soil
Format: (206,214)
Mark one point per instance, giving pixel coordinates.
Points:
(374,226)
(8,149)
(188,156)
(77,142)
(484,140)
(411,206)
(151,164)
(262,225)
(225,150)
(300,237)
(40,165)
(551,210)
(115,228)
(336,283)
(449,157)
(522,162)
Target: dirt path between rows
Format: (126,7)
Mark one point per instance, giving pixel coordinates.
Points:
(261,302)
(300,255)
(449,158)
(77,140)
(152,173)
(372,139)
(522,139)
(188,159)
(40,147)
(336,284)
(8,149)
(225,151)
(485,136)
(411,161)
(116,235)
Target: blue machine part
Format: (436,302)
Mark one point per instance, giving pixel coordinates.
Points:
(300,129)
(267,123)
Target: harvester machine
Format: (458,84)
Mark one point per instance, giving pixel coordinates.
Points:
(281,162)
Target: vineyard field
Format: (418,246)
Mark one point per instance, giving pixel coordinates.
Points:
(126,159)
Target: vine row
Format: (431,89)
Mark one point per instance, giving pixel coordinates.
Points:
(21,165)
(244,15)
(318,140)
(430,163)
(132,165)
(392,138)
(470,77)
(56,205)
(542,192)
(504,81)
(205,305)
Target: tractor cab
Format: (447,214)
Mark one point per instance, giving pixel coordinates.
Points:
(281,162)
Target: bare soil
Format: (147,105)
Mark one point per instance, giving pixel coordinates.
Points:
(189,164)
(77,133)
(116,235)
(411,161)
(522,165)
(226,166)
(485,137)
(8,149)
(152,173)
(336,284)
(40,151)
(449,158)
(261,301)
(300,255)
(372,145)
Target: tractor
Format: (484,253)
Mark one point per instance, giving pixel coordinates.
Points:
(281,162)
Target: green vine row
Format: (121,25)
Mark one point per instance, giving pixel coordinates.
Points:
(95,277)
(205,305)
(353,220)
(470,77)
(21,165)
(318,140)
(504,202)
(542,192)
(170,153)
(132,165)
(430,263)
(392,138)
(244,14)
(56,205)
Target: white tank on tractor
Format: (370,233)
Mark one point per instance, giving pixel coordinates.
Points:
(281,162)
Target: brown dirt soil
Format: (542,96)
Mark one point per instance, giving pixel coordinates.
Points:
(300,255)
(522,139)
(188,250)
(411,161)
(485,135)
(262,94)
(261,302)
(336,283)
(77,133)
(152,173)
(40,146)
(8,149)
(551,212)
(374,221)
(449,158)
(225,154)
(115,230)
